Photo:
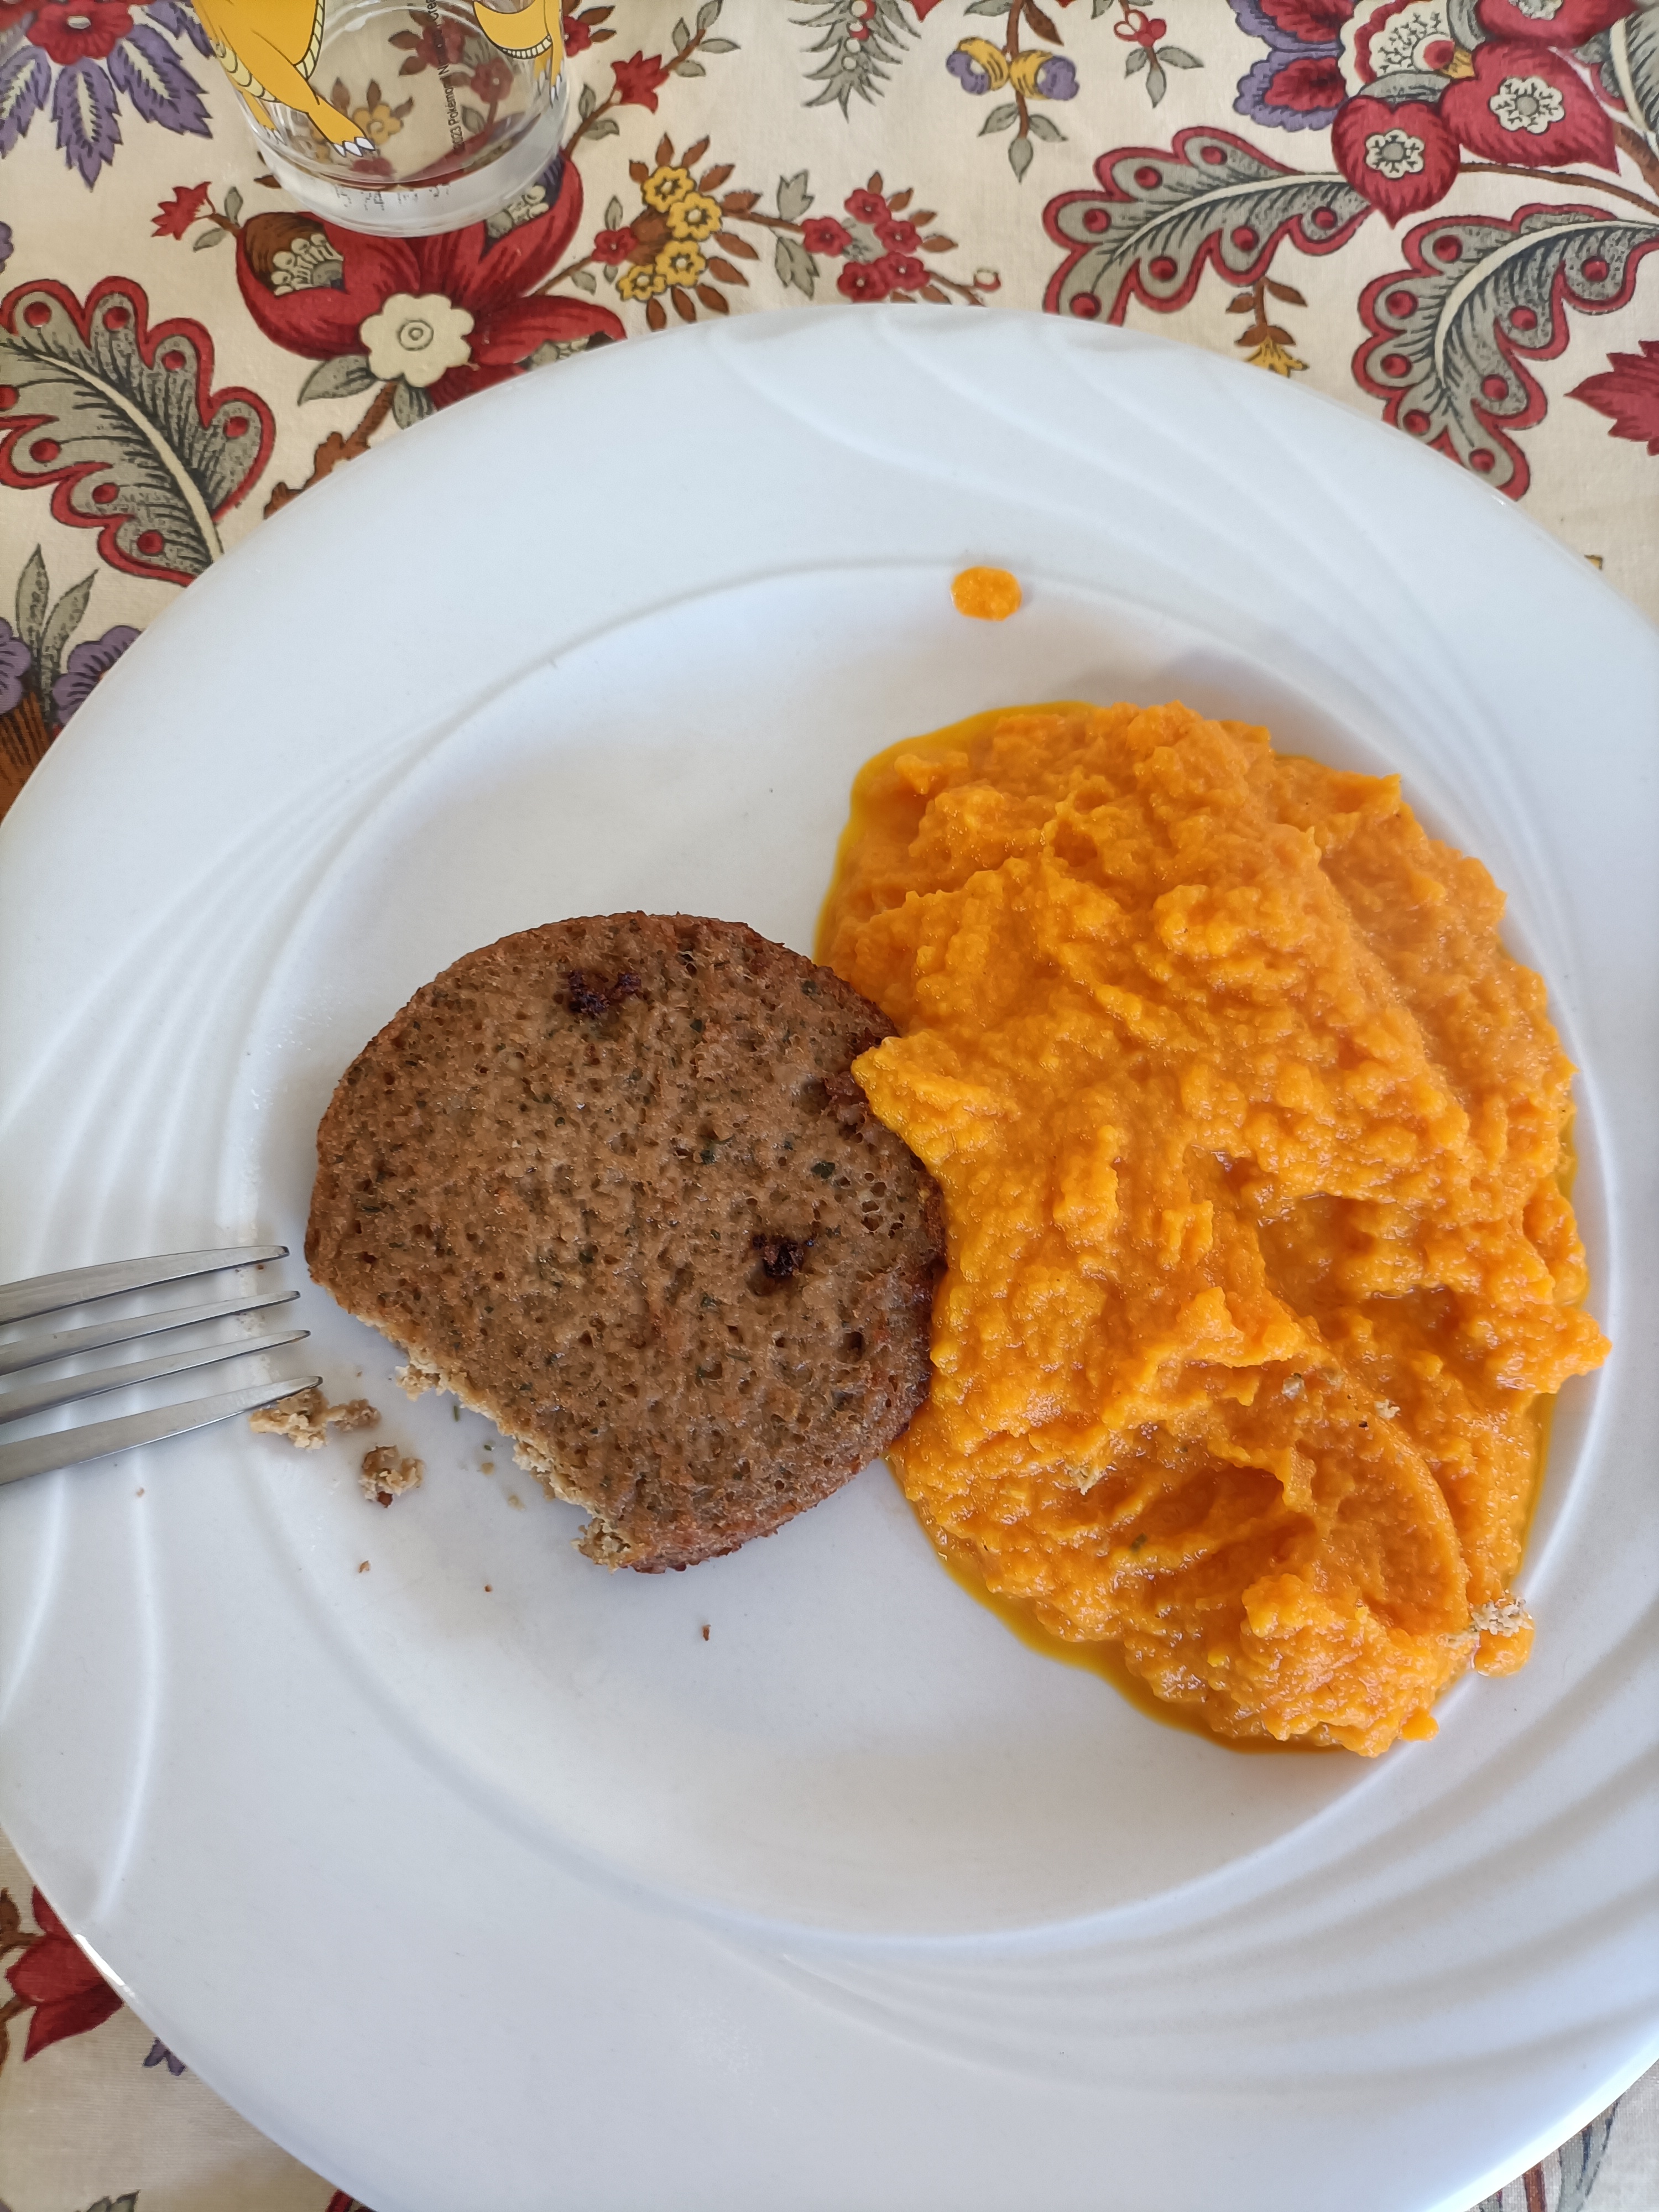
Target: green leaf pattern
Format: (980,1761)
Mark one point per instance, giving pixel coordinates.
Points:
(132,409)
(1163,217)
(1455,329)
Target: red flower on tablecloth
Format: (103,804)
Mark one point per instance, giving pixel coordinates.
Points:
(639,79)
(1527,105)
(904,271)
(1406,154)
(583,31)
(80,30)
(1403,84)
(434,45)
(174,217)
(492,80)
(863,280)
(1628,393)
(443,316)
(55,1976)
(822,234)
(897,235)
(686,247)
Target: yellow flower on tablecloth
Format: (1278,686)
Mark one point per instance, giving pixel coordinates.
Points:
(642,280)
(417,339)
(1271,355)
(695,216)
(984,60)
(664,186)
(680,264)
(378,123)
(1034,74)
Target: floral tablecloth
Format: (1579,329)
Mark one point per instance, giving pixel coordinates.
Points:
(1434,210)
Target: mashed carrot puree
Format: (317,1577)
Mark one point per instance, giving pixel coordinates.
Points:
(987,594)
(1250,1136)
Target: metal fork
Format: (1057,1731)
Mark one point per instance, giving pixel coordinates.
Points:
(77,1286)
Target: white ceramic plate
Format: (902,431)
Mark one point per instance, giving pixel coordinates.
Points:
(527,1896)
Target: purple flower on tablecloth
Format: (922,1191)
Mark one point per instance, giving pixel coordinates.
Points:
(5,244)
(81,671)
(14,663)
(146,69)
(1297,84)
(41,685)
(78,59)
(1057,79)
(159,2055)
(182,22)
(83,106)
(25,81)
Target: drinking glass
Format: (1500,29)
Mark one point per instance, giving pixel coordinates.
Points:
(404,118)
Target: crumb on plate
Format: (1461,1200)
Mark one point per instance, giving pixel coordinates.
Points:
(305,1419)
(385,1475)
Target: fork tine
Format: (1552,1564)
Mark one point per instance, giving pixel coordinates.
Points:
(69,1343)
(40,1454)
(74,1286)
(40,1397)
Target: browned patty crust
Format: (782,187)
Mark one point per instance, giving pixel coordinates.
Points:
(610,1181)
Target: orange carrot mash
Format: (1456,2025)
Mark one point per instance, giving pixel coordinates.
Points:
(1251,1138)
(987,594)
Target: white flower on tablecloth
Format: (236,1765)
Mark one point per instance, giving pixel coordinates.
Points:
(419,339)
(308,261)
(1527,103)
(1393,155)
(530,203)
(1384,40)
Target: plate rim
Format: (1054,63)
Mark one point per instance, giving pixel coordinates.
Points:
(102,720)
